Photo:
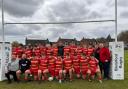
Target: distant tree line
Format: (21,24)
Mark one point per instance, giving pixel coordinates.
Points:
(123,36)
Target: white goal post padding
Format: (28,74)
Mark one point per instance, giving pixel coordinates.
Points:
(6,58)
(117,63)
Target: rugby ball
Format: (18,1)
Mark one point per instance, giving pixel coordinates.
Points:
(50,78)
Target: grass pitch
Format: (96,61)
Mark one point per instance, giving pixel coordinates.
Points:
(76,84)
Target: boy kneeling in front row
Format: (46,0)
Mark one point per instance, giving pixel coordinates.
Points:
(68,67)
(94,68)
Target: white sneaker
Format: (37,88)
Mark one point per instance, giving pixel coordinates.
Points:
(89,80)
(60,81)
(30,75)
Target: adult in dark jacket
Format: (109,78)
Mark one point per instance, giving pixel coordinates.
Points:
(97,56)
(60,49)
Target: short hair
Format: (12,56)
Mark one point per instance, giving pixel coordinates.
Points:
(83,54)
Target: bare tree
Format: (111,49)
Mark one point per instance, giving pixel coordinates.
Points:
(123,36)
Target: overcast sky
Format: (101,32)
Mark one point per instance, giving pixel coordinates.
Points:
(62,10)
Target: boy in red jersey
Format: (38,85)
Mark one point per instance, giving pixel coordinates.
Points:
(84,66)
(73,49)
(37,51)
(90,50)
(76,66)
(79,51)
(43,68)
(51,65)
(48,50)
(20,51)
(59,68)
(28,52)
(68,67)
(94,67)
(85,49)
(66,50)
(34,68)
(55,50)
(43,49)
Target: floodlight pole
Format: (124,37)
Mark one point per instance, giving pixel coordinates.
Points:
(116,23)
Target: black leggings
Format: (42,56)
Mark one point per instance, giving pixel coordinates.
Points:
(106,68)
(13,73)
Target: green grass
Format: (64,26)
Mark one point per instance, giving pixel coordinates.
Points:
(76,84)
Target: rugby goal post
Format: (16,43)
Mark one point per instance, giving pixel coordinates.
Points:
(116,55)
